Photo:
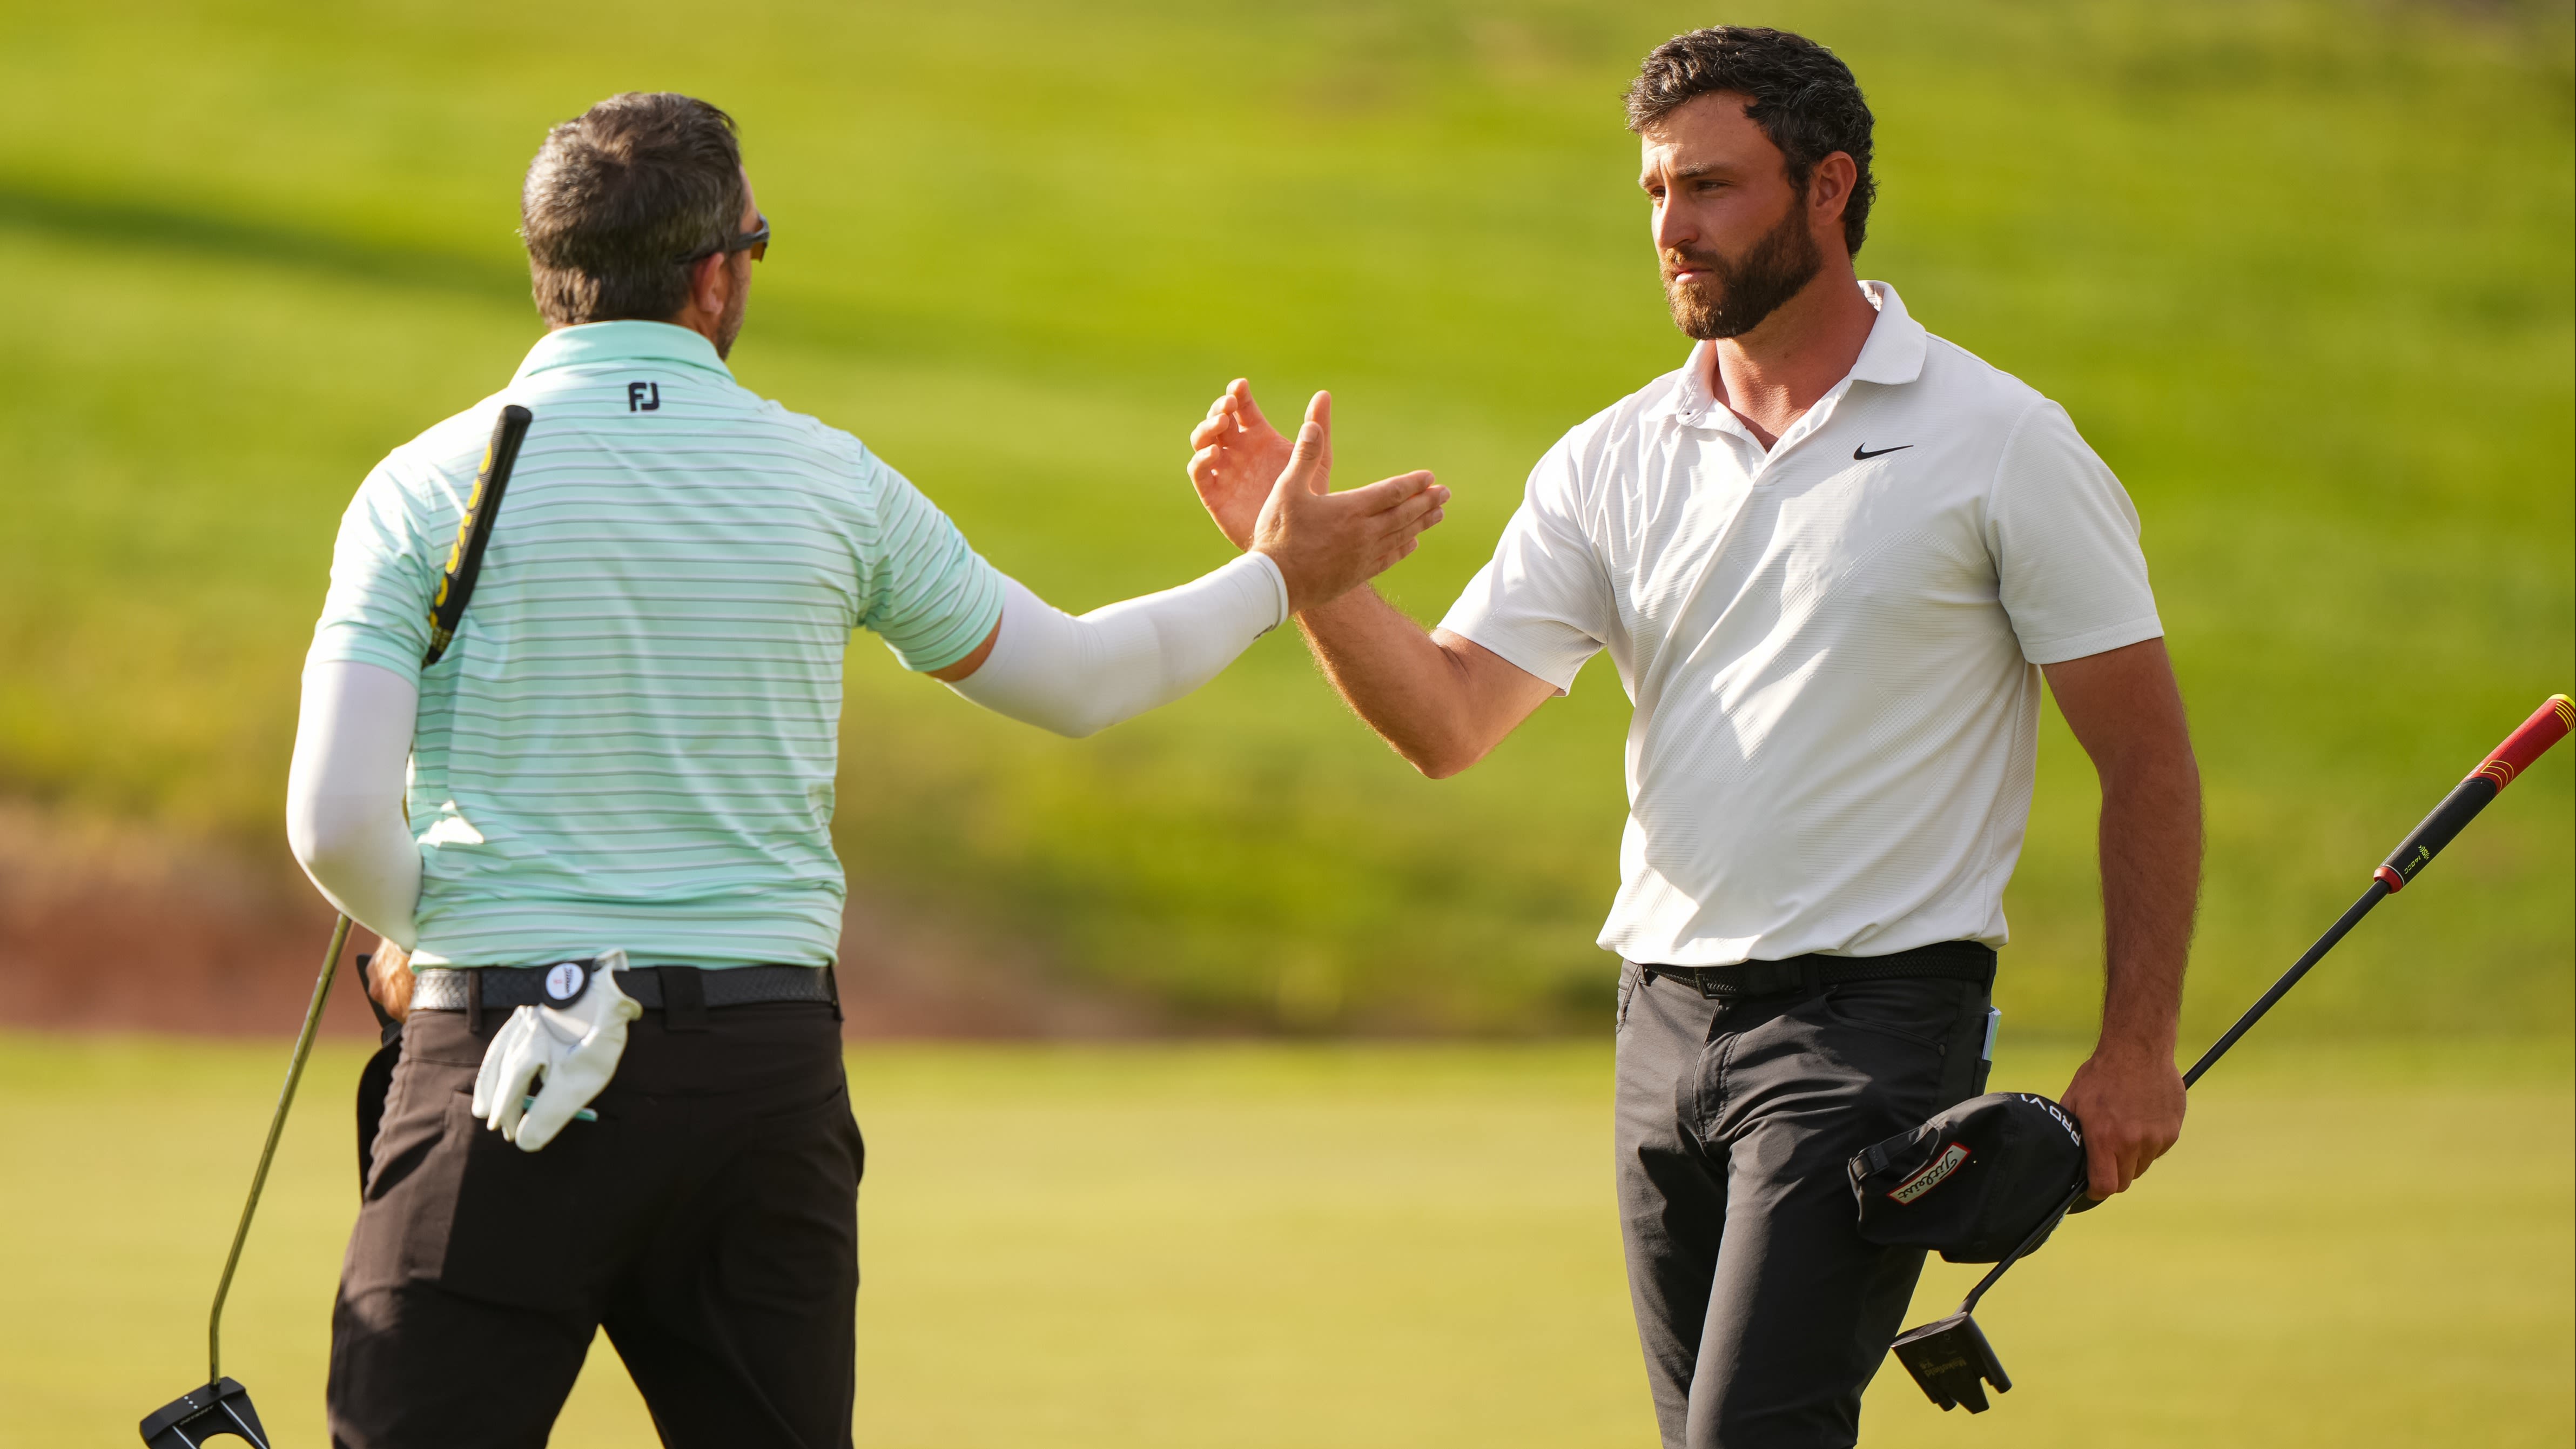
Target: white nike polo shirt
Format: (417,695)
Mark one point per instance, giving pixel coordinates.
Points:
(1832,648)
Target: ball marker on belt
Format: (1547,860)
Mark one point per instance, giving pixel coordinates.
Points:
(565,981)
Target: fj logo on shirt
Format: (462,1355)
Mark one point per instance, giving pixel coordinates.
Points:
(643,397)
(1933,1176)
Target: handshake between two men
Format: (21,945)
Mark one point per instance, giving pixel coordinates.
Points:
(1270,496)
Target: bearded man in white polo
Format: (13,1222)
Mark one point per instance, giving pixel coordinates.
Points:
(1832,558)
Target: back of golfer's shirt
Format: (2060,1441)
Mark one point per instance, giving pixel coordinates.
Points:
(632,742)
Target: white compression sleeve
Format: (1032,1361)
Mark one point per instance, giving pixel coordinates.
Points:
(344,795)
(1080,676)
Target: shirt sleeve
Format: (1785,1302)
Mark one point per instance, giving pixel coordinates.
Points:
(2065,542)
(382,574)
(931,597)
(1543,601)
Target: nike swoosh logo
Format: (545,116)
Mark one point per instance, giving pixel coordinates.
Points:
(1862,455)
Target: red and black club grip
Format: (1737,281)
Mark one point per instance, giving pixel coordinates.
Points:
(474,530)
(2547,726)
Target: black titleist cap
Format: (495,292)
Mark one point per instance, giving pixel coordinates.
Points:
(1973,1181)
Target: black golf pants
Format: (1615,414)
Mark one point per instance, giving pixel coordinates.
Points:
(708,1220)
(1761,1311)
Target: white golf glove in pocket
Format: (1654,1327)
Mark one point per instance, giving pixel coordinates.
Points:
(573,1047)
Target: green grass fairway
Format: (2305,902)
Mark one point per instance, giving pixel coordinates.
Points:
(2300,269)
(1378,1246)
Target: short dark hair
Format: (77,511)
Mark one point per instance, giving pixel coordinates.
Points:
(619,196)
(1804,99)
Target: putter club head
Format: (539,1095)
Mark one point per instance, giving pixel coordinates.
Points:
(222,1407)
(1951,1362)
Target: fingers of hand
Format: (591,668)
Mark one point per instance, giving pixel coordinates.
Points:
(2120,1152)
(1315,440)
(1415,512)
(1390,494)
(2102,1170)
(1238,393)
(1309,463)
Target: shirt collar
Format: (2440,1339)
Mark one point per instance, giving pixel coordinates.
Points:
(1893,355)
(1894,352)
(595,343)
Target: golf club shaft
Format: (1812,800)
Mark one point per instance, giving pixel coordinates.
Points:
(446,610)
(2547,726)
(2529,741)
(2028,1242)
(268,1150)
(2351,917)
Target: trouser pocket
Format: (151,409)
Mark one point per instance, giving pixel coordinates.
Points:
(1945,1017)
(472,1213)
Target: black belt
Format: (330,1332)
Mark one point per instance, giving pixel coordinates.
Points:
(1807,975)
(682,990)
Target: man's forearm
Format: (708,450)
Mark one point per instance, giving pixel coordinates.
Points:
(1080,676)
(1397,678)
(2151,844)
(344,794)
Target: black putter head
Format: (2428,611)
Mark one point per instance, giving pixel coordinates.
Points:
(1951,1362)
(222,1407)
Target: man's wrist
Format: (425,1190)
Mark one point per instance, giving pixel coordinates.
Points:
(2126,1044)
(1350,604)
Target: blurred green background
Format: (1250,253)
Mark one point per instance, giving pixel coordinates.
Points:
(2300,271)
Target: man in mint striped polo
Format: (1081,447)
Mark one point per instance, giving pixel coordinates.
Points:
(636,739)
(604,818)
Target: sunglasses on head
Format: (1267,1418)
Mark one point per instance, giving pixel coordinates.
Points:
(754,241)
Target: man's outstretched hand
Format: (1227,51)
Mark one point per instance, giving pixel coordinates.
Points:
(1271,497)
(1237,460)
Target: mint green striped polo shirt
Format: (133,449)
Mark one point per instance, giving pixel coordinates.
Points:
(631,742)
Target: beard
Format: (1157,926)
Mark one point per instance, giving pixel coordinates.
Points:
(1747,289)
(729,326)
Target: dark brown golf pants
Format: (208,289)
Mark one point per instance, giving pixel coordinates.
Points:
(708,1221)
(1762,1312)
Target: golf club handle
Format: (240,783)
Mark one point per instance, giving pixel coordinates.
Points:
(2547,726)
(268,1150)
(474,529)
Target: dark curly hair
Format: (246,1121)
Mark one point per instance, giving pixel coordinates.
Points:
(1804,99)
(618,196)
